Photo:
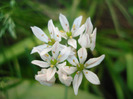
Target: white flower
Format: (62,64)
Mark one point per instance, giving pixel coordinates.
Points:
(81,68)
(42,78)
(48,41)
(75,31)
(51,63)
(88,39)
(64,77)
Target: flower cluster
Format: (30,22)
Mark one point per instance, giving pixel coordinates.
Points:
(66,59)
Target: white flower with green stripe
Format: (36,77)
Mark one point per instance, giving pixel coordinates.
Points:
(75,31)
(54,62)
(81,67)
(48,41)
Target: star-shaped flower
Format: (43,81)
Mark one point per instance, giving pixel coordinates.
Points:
(48,41)
(82,68)
(54,62)
(88,38)
(74,32)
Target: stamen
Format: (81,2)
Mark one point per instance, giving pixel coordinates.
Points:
(61,31)
(86,64)
(74,26)
(71,37)
(53,51)
(47,55)
(59,56)
(86,72)
(57,35)
(77,73)
(66,24)
(52,66)
(42,35)
(73,60)
(81,57)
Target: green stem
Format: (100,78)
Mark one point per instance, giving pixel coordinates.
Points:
(66,92)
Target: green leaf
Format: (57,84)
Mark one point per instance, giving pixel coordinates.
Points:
(129,62)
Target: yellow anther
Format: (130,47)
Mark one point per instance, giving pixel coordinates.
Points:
(47,55)
(53,51)
(57,35)
(73,60)
(42,35)
(87,64)
(86,72)
(66,24)
(59,56)
(47,45)
(81,57)
(61,31)
(69,67)
(74,26)
(52,66)
(71,37)
(77,73)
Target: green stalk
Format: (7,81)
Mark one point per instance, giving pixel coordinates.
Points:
(66,92)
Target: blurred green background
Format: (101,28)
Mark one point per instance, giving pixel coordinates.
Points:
(114,22)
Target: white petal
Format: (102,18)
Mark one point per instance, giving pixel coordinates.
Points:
(69,70)
(61,65)
(72,60)
(64,54)
(55,50)
(89,26)
(63,34)
(46,57)
(61,46)
(64,78)
(76,23)
(51,27)
(38,48)
(84,40)
(77,81)
(73,43)
(91,77)
(78,31)
(39,34)
(54,31)
(93,38)
(57,35)
(40,63)
(82,54)
(50,73)
(41,77)
(94,62)
(64,22)
(46,50)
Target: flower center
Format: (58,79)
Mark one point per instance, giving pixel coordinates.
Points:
(53,62)
(69,34)
(51,42)
(80,67)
